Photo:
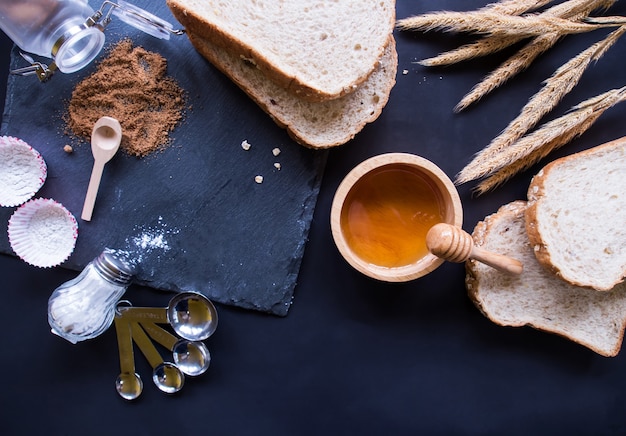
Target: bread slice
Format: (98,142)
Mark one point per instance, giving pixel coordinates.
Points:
(576,219)
(538,298)
(317,49)
(312,124)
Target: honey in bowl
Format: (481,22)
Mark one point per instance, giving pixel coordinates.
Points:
(387,213)
(382,211)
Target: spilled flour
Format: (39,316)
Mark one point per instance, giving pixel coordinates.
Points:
(147,243)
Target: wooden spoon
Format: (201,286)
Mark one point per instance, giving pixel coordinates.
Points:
(455,245)
(105,140)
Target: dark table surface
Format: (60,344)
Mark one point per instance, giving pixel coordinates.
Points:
(353,356)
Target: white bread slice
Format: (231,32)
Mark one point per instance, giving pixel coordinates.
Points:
(538,298)
(318,49)
(312,124)
(576,219)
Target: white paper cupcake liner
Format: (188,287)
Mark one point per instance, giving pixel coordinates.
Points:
(22,171)
(42,232)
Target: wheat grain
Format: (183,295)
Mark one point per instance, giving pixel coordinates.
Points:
(491,158)
(534,147)
(492,44)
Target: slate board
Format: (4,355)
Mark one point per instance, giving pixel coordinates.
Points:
(238,242)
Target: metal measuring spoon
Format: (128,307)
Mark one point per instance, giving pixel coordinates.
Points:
(192,316)
(165,375)
(191,357)
(128,384)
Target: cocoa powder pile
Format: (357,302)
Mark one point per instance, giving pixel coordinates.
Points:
(131,85)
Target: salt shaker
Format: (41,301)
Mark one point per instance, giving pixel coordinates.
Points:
(84,307)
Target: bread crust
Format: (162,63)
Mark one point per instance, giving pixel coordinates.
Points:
(536,195)
(480,234)
(595,320)
(194,23)
(266,102)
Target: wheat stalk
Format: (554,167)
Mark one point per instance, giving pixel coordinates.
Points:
(492,23)
(526,55)
(504,7)
(492,44)
(514,65)
(606,20)
(480,48)
(533,147)
(491,158)
(515,7)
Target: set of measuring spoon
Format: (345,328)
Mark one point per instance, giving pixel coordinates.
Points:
(193,319)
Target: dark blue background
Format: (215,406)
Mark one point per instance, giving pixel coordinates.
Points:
(353,356)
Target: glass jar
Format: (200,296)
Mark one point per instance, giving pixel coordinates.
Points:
(84,307)
(56,29)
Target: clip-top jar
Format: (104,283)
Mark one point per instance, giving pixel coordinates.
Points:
(57,29)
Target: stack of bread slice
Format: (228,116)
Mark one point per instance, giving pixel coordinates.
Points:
(571,237)
(321,69)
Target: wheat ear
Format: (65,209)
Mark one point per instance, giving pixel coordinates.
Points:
(492,44)
(491,23)
(514,65)
(521,60)
(552,135)
(606,20)
(480,48)
(515,7)
(555,88)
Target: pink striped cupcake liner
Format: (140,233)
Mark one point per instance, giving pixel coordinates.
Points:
(22,171)
(42,232)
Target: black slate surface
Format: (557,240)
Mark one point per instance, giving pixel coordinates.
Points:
(192,213)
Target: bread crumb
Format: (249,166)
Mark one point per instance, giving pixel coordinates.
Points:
(405,72)
(258,179)
(276,151)
(68,148)
(277,165)
(245,145)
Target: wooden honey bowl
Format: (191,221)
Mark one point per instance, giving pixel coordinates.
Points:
(383,210)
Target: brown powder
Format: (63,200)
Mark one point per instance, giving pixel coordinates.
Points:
(131,85)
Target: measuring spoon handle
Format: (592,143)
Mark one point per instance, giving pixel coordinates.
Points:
(159,334)
(145,345)
(125,345)
(138,314)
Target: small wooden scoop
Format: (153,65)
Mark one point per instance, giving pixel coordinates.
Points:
(105,140)
(455,245)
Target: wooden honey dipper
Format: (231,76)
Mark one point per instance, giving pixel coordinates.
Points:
(456,245)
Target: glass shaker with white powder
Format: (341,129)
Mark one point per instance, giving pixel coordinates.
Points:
(84,307)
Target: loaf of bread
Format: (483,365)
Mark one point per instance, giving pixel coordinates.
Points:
(576,219)
(538,298)
(312,124)
(317,49)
